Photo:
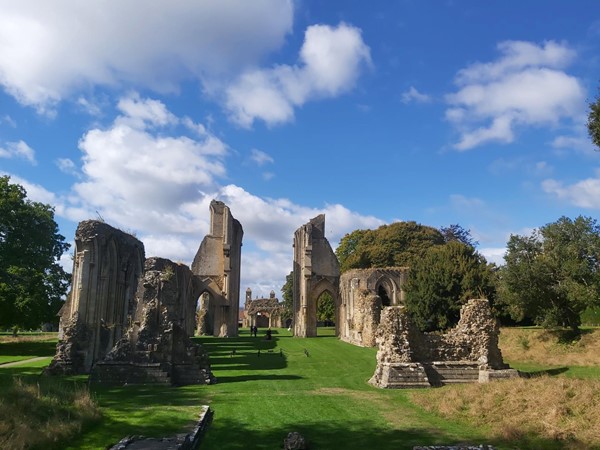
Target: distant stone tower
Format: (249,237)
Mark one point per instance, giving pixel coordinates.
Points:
(217,266)
(316,270)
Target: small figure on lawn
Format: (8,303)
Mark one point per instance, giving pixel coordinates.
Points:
(269,334)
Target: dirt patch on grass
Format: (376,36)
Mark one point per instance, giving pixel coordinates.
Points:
(560,409)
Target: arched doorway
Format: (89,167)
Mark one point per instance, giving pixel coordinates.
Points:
(325,310)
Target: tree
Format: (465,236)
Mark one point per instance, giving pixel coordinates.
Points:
(287,293)
(553,275)
(325,308)
(397,244)
(32,283)
(593,124)
(442,280)
(457,233)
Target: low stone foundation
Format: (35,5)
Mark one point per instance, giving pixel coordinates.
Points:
(189,441)
(468,353)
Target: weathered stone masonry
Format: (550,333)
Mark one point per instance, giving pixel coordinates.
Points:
(467,353)
(316,270)
(128,320)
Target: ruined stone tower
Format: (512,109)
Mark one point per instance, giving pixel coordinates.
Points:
(217,266)
(316,270)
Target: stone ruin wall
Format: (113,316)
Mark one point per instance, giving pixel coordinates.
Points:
(217,266)
(128,319)
(106,268)
(467,353)
(157,347)
(267,307)
(316,270)
(361,304)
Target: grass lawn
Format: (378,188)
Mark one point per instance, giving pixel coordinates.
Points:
(265,389)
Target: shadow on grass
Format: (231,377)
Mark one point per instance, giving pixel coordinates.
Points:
(28,348)
(243,353)
(539,373)
(225,434)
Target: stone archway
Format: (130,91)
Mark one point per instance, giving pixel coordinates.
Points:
(316,269)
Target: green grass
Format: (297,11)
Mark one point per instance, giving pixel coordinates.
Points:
(533,369)
(316,386)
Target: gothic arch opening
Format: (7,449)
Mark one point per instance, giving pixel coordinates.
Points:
(326,310)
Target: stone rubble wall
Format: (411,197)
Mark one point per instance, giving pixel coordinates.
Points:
(157,335)
(467,353)
(360,303)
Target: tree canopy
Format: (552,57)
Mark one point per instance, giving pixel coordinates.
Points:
(32,283)
(553,275)
(397,244)
(442,280)
(593,124)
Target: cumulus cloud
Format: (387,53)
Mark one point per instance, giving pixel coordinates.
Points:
(525,86)
(413,95)
(584,193)
(153,173)
(139,178)
(18,149)
(48,50)
(331,59)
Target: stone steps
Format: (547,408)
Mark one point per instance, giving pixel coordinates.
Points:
(117,372)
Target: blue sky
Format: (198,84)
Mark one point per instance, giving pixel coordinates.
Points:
(440,112)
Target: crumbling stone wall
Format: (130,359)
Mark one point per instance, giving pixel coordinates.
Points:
(469,352)
(157,347)
(106,268)
(316,270)
(217,267)
(363,294)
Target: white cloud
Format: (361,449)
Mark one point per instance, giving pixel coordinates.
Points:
(494,254)
(138,178)
(330,62)
(18,149)
(413,95)
(118,43)
(261,158)
(585,193)
(461,202)
(524,87)
(67,166)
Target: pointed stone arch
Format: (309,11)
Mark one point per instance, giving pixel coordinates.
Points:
(316,269)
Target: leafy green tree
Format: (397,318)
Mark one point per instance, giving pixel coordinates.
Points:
(553,275)
(593,124)
(32,283)
(287,293)
(442,280)
(397,244)
(325,308)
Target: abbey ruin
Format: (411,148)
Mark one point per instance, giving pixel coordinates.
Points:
(129,319)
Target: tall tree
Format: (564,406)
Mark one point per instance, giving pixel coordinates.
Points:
(553,275)
(442,280)
(32,282)
(397,244)
(593,124)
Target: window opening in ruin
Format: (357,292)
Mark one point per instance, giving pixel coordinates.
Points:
(325,310)
(203,319)
(385,298)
